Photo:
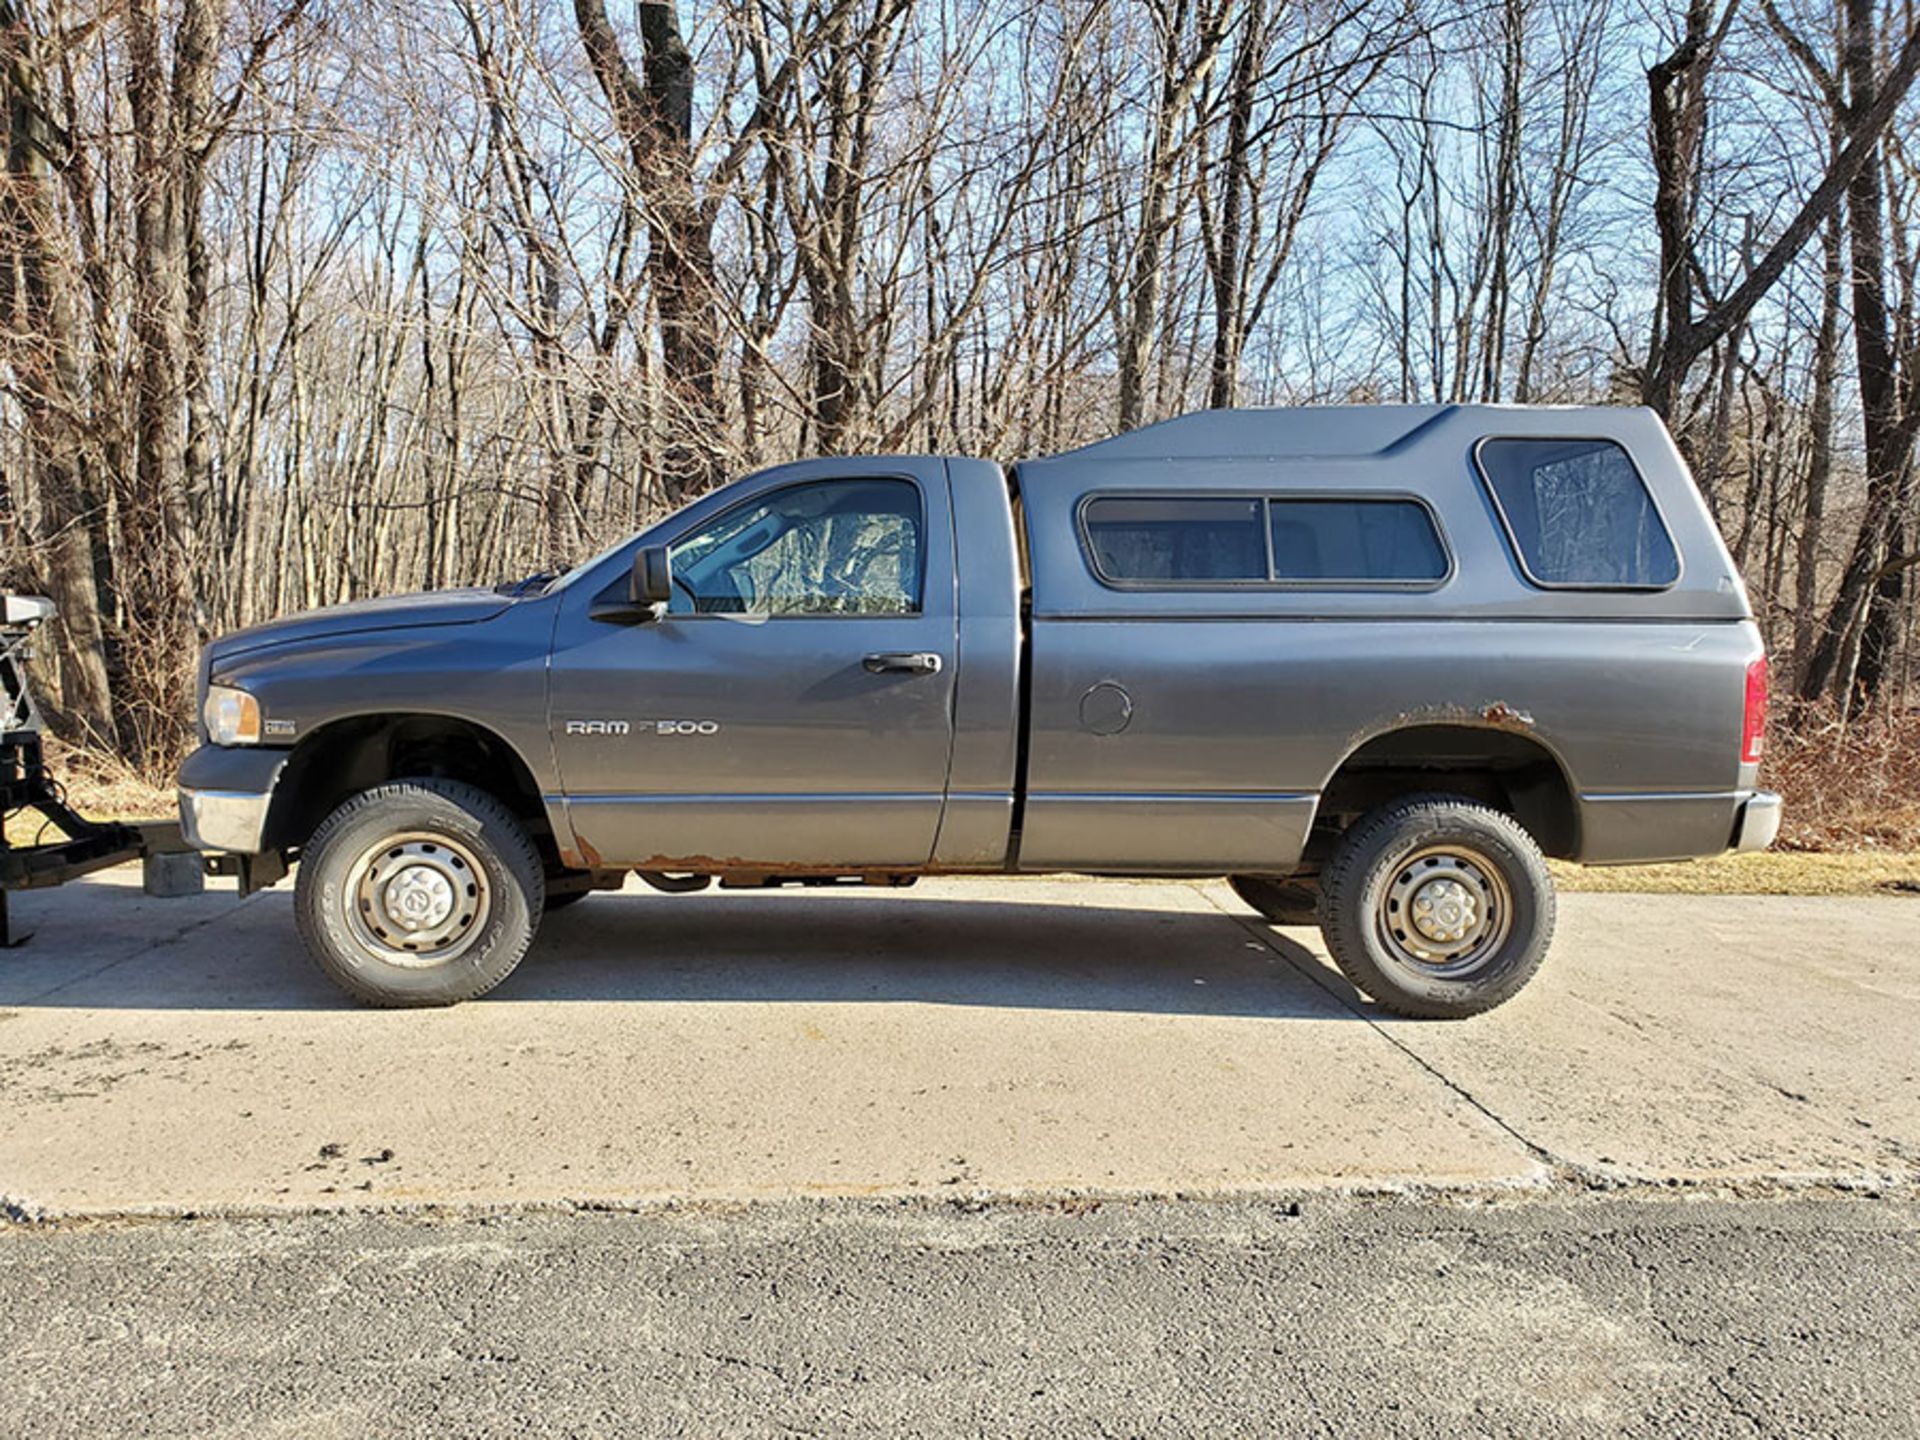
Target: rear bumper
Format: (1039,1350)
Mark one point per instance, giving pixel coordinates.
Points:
(1759,821)
(225,797)
(1641,828)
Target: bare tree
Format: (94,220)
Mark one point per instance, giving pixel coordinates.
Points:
(654,115)
(44,344)
(1188,36)
(1852,652)
(1678,105)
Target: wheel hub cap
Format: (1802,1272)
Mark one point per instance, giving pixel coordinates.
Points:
(1444,911)
(417,900)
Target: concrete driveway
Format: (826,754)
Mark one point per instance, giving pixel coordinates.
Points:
(961,1039)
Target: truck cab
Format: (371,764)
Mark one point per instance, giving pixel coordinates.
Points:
(1291,647)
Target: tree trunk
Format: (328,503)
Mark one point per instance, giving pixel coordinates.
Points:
(655,121)
(1227,263)
(1838,663)
(42,345)
(1806,579)
(167,112)
(1139,310)
(1506,201)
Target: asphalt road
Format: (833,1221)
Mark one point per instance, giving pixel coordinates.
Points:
(1520,1318)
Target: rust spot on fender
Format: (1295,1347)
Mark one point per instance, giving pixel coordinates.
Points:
(722,865)
(1495,715)
(1503,716)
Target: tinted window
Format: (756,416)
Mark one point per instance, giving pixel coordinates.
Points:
(843,547)
(1176,539)
(1354,540)
(1580,513)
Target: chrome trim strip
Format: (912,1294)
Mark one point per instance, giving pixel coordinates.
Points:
(1621,797)
(1174,797)
(642,797)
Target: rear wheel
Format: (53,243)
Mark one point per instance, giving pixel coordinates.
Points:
(1437,907)
(1284,902)
(419,892)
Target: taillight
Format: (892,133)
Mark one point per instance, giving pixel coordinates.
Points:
(1753,729)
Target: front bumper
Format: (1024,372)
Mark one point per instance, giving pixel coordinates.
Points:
(1759,821)
(224,820)
(226,796)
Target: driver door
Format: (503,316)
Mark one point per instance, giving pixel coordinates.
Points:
(793,706)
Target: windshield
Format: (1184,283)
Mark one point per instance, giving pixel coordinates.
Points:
(725,529)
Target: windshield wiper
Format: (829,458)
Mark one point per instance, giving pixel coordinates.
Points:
(532,585)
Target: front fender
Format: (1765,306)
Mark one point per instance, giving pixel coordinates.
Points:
(492,674)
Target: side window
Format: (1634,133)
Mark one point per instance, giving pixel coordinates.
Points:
(1355,540)
(1170,541)
(1176,539)
(840,547)
(1579,514)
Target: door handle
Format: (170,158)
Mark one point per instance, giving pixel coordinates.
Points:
(904,662)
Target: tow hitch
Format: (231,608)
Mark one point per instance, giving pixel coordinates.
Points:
(169,865)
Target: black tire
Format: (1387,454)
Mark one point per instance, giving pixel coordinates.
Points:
(1502,903)
(469,848)
(1283,902)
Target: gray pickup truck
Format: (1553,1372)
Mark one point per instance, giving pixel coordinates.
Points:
(1371,663)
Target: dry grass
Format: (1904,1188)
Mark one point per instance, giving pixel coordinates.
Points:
(104,786)
(1777,872)
(100,787)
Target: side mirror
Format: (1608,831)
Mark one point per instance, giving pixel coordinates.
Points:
(652,579)
(649,587)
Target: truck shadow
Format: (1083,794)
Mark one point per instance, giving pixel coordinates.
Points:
(783,947)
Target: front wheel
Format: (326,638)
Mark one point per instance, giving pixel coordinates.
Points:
(419,892)
(1437,907)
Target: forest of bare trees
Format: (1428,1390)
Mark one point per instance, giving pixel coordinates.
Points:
(306,300)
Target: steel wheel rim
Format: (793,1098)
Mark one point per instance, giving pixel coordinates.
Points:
(1444,911)
(417,900)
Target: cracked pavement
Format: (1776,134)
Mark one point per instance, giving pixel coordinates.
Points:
(966,1038)
(1021,1156)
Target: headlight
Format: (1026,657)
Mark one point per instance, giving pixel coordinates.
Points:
(232,716)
